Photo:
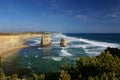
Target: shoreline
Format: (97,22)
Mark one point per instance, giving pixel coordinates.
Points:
(4,51)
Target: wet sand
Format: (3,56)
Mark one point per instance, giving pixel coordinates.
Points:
(7,50)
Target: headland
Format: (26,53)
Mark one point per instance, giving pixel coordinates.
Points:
(13,41)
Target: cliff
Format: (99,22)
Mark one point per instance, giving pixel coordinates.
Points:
(8,42)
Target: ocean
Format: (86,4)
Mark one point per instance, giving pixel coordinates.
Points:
(45,60)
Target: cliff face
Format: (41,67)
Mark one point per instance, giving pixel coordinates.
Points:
(15,40)
(10,40)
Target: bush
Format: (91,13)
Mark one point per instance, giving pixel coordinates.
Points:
(106,66)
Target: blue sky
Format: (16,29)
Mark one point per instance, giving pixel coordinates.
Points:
(73,16)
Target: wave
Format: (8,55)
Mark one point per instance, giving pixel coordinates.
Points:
(94,51)
(57,58)
(56,40)
(33,42)
(39,48)
(26,55)
(87,45)
(90,42)
(65,53)
(80,46)
(97,43)
(53,58)
(36,56)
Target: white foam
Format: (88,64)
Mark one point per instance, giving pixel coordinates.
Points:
(28,67)
(91,51)
(53,58)
(29,63)
(36,56)
(46,57)
(69,39)
(94,51)
(97,43)
(80,46)
(37,41)
(56,40)
(88,46)
(94,43)
(33,44)
(65,53)
(26,55)
(72,39)
(57,58)
(39,48)
(59,35)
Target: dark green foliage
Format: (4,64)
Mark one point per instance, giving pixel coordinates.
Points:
(2,75)
(113,51)
(64,75)
(14,77)
(106,66)
(52,76)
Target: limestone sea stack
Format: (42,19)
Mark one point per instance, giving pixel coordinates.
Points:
(45,40)
(63,42)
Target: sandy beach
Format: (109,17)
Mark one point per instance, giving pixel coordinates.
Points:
(4,51)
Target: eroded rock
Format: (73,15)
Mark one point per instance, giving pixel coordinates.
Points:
(63,42)
(45,40)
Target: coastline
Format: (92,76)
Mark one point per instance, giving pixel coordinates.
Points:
(9,43)
(4,51)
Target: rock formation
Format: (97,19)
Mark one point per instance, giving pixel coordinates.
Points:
(63,42)
(45,40)
(14,41)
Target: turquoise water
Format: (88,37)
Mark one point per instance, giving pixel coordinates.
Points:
(44,60)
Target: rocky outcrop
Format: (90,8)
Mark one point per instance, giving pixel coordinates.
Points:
(45,40)
(63,42)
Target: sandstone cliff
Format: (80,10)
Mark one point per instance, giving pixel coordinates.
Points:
(45,40)
(8,42)
(15,40)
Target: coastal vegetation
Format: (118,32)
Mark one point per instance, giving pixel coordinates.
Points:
(17,33)
(106,66)
(21,33)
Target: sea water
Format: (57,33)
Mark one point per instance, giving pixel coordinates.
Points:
(44,60)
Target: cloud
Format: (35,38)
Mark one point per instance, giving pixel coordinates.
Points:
(114,15)
(79,16)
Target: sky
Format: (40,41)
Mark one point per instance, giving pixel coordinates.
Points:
(66,16)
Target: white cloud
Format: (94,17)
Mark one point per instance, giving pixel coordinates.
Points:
(114,15)
(79,16)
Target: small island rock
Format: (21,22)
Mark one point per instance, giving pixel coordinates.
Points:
(45,40)
(63,42)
